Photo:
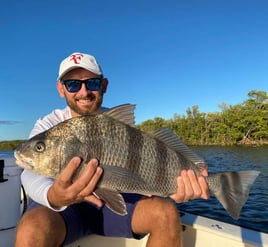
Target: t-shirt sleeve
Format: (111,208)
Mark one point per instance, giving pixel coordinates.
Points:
(35,185)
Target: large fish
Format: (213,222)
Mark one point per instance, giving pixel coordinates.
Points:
(133,161)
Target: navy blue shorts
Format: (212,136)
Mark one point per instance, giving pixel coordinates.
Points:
(83,219)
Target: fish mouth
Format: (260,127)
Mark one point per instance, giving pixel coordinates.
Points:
(22,163)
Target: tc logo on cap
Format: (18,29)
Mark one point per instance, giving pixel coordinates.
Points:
(76,58)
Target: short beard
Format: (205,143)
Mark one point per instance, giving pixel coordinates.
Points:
(94,109)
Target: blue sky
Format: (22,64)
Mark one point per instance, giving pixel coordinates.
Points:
(162,55)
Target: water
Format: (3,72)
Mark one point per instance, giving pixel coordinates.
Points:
(6,153)
(254,214)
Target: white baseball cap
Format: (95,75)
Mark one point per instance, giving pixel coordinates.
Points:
(79,60)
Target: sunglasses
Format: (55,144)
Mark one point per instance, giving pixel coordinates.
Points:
(73,86)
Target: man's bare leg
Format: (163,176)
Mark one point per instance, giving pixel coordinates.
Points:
(160,219)
(40,227)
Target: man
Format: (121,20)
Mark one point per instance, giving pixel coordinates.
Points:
(62,211)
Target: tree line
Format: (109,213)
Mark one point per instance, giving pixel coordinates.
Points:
(245,123)
(10,145)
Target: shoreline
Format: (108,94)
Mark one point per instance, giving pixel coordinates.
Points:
(12,145)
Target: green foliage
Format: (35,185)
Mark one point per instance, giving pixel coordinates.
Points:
(245,123)
(10,145)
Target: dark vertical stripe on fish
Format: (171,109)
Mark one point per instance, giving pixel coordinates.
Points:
(161,158)
(135,146)
(95,129)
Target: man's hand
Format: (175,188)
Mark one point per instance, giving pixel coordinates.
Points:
(191,187)
(64,191)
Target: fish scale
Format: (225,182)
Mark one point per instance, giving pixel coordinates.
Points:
(133,161)
(132,142)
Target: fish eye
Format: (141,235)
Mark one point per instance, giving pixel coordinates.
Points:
(39,147)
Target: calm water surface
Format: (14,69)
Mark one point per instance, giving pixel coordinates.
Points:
(255,212)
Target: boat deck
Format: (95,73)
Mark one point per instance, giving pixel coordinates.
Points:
(198,231)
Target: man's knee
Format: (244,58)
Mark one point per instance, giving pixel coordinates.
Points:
(40,217)
(29,221)
(154,214)
(41,223)
(165,211)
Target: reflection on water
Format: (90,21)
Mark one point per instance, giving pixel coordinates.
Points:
(255,212)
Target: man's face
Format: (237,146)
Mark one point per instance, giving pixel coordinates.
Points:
(83,101)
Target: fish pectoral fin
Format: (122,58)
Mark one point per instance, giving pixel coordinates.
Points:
(123,175)
(113,200)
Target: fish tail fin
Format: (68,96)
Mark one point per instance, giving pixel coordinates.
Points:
(232,189)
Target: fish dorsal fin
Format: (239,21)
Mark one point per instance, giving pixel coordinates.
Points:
(123,113)
(173,141)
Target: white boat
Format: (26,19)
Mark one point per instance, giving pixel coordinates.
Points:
(198,231)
